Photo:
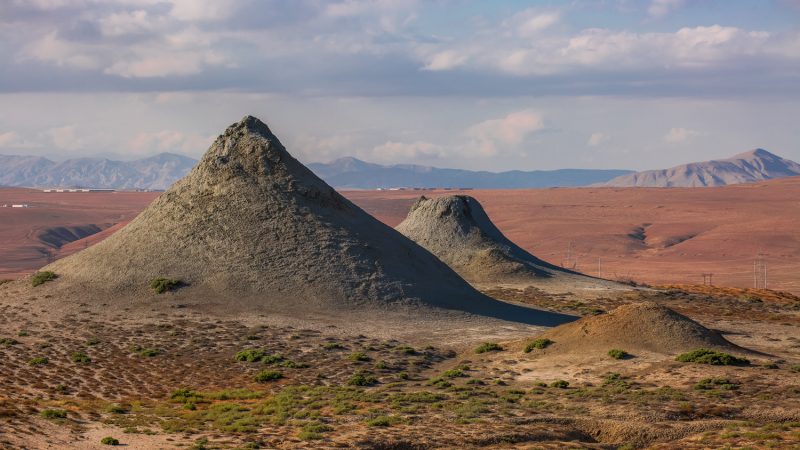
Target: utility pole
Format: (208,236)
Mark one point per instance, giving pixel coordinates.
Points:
(707,279)
(759,272)
(599,271)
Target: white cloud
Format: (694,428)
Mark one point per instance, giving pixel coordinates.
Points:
(49,48)
(597,138)
(678,135)
(200,10)
(9,139)
(406,151)
(127,22)
(65,137)
(445,60)
(531,22)
(660,8)
(169,141)
(491,135)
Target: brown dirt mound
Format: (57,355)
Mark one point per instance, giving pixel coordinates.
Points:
(457,230)
(253,224)
(635,327)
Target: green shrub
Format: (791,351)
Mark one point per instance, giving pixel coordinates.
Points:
(454,373)
(38,361)
(713,357)
(53,414)
(22,333)
(716,383)
(81,358)
(332,346)
(561,384)
(362,379)
(161,285)
(618,354)
(795,368)
(116,408)
(8,341)
(406,350)
(313,430)
(488,347)
(108,440)
(42,277)
(359,356)
(268,375)
(146,351)
(382,421)
(185,395)
(540,343)
(250,355)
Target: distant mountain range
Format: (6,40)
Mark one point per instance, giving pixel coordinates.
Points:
(352,173)
(160,171)
(748,167)
(155,172)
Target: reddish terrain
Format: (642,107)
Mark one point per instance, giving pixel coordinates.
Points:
(652,235)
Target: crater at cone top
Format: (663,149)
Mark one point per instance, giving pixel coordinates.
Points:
(635,327)
(457,230)
(253,224)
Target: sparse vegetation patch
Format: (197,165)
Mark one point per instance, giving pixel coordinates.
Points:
(618,354)
(40,278)
(712,357)
(489,347)
(161,285)
(540,343)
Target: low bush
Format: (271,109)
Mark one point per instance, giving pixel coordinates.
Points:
(108,440)
(313,430)
(161,285)
(383,421)
(146,351)
(712,357)
(8,341)
(40,278)
(53,414)
(561,384)
(405,349)
(716,383)
(332,346)
(362,379)
(618,354)
(359,356)
(81,358)
(268,375)
(250,355)
(38,361)
(488,347)
(540,343)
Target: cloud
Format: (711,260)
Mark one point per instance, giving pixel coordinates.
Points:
(531,22)
(597,138)
(8,138)
(51,49)
(407,151)
(678,135)
(446,60)
(65,137)
(490,136)
(169,141)
(660,8)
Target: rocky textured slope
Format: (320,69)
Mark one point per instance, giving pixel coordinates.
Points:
(636,327)
(748,167)
(457,230)
(251,222)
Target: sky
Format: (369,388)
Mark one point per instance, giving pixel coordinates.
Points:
(489,85)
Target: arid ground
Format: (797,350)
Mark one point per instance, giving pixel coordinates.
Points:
(170,371)
(655,236)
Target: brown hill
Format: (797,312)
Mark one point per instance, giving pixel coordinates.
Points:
(747,167)
(251,222)
(457,230)
(636,327)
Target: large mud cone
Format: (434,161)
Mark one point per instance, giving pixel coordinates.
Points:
(635,327)
(457,230)
(250,221)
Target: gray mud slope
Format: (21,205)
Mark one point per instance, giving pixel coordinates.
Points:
(250,221)
(457,230)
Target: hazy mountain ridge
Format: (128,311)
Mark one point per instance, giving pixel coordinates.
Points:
(747,167)
(155,172)
(353,173)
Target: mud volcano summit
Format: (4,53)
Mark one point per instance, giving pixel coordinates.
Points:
(251,222)
(457,230)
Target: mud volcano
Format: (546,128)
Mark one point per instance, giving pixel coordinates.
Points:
(457,230)
(251,222)
(636,327)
